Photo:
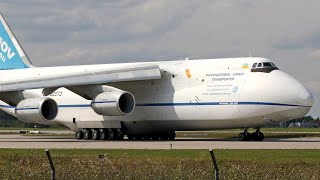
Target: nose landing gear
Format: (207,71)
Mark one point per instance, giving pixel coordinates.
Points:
(255,136)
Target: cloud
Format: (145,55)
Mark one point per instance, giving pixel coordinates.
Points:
(206,29)
(315,54)
(303,41)
(314,86)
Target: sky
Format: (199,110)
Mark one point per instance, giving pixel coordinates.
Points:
(57,33)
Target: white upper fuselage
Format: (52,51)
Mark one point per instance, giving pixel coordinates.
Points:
(191,95)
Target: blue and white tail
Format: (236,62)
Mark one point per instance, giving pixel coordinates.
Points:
(12,56)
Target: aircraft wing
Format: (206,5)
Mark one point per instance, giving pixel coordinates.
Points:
(86,77)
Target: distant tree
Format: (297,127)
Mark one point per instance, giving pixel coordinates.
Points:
(307,119)
(7,120)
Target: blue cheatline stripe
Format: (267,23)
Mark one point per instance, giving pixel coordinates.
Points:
(218,103)
(270,104)
(22,109)
(102,102)
(171,104)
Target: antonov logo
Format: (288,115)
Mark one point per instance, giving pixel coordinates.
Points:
(5,51)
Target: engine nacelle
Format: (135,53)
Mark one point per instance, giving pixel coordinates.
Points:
(113,103)
(37,110)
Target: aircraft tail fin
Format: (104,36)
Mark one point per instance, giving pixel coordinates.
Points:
(12,56)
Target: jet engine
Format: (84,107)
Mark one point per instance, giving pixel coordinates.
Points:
(37,110)
(113,103)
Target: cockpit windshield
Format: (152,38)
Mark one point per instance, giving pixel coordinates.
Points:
(265,67)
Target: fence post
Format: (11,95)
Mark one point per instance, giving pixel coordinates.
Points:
(53,171)
(215,164)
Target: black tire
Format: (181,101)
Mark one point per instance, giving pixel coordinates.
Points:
(111,135)
(164,138)
(172,135)
(156,137)
(146,137)
(103,134)
(95,134)
(138,137)
(241,137)
(87,134)
(260,136)
(247,136)
(255,136)
(79,135)
(119,134)
(130,137)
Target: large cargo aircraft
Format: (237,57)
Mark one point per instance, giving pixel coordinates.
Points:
(148,100)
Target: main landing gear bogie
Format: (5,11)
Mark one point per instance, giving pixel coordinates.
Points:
(118,134)
(255,136)
(100,134)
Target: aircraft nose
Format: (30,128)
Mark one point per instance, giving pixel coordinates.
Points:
(305,98)
(293,99)
(289,90)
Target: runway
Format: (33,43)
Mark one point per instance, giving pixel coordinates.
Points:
(68,142)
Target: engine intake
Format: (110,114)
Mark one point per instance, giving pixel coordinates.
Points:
(113,103)
(37,110)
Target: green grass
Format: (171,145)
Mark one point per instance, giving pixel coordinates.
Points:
(274,155)
(160,164)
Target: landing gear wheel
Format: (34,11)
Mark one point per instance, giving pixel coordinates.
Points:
(130,137)
(146,137)
(156,137)
(241,137)
(95,134)
(119,134)
(245,136)
(138,137)
(261,136)
(79,134)
(103,134)
(111,134)
(87,134)
(164,137)
(172,135)
(257,136)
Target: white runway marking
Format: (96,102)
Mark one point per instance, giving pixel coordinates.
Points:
(61,142)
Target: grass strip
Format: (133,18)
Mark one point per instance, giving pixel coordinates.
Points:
(160,164)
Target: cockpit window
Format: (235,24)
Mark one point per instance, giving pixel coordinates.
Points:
(265,67)
(267,64)
(254,65)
